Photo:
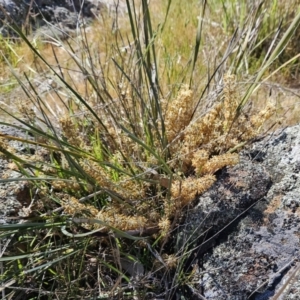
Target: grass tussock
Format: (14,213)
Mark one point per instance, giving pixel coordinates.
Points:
(128,127)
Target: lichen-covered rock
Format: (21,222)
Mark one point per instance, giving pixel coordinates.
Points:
(66,15)
(251,221)
(12,193)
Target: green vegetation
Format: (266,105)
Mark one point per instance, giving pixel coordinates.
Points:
(136,122)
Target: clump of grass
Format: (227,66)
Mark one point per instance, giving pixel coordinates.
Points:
(273,19)
(120,158)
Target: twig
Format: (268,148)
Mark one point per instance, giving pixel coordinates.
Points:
(284,290)
(276,275)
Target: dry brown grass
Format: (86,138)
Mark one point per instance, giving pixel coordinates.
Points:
(173,53)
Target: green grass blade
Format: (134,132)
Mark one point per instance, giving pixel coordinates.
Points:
(274,55)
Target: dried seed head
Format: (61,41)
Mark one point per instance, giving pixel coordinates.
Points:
(164,226)
(218,162)
(187,189)
(171,260)
(179,113)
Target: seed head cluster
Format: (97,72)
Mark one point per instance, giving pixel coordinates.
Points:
(198,148)
(136,192)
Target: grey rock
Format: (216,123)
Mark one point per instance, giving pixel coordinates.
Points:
(12,197)
(248,255)
(67,14)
